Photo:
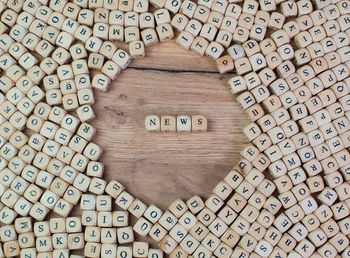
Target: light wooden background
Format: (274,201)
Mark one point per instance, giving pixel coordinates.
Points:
(160,167)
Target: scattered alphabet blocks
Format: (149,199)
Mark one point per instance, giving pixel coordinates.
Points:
(292,80)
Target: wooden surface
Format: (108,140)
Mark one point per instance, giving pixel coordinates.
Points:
(160,167)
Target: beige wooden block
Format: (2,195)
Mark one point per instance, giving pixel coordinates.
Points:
(162,16)
(125,235)
(109,235)
(92,234)
(195,204)
(116,33)
(340,210)
(101,15)
(165,32)
(140,249)
(88,202)
(340,242)
(26,240)
(180,22)
(137,208)
(272,235)
(240,34)
(126,6)
(59,241)
(121,58)
(168,123)
(207,31)
(146,20)
(178,208)
(116,17)
(317,237)
(257,231)
(131,34)
(137,49)
(111,69)
(75,241)
(342,191)
(149,36)
(11,248)
(153,123)
(168,220)
(44,244)
(178,252)
(141,6)
(242,65)
(188,8)
(101,82)
(89,218)
(184,123)
(214,203)
(189,244)
(92,249)
(125,251)
(199,45)
(131,19)
(124,200)
(188,220)
(167,244)
(8,233)
(250,213)
(327,249)
(114,188)
(237,202)
(199,123)
(23,225)
(224,64)
(72,195)
(109,250)
(85,113)
(248,243)
(201,13)
(227,214)
(153,213)
(95,61)
(157,232)
(73,225)
(206,216)
(214,50)
(142,226)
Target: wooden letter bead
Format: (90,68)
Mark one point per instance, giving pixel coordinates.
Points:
(153,213)
(92,249)
(199,123)
(125,235)
(224,64)
(168,244)
(178,208)
(11,248)
(168,123)
(165,32)
(140,249)
(152,123)
(137,49)
(184,123)
(214,50)
(199,45)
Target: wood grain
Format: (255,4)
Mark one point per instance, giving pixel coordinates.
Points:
(160,167)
